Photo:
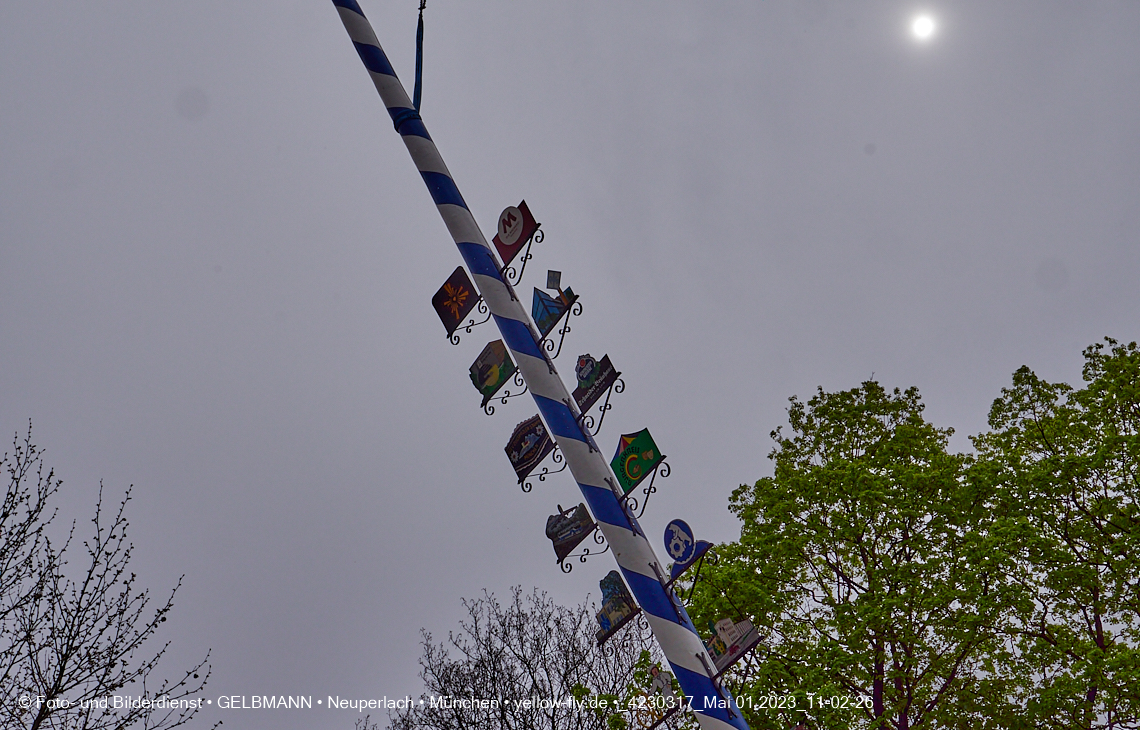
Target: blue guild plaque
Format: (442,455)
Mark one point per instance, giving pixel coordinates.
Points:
(679,542)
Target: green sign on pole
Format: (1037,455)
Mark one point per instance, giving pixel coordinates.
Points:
(492,369)
(636,458)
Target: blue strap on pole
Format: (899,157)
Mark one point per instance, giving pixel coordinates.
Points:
(414,113)
(419,57)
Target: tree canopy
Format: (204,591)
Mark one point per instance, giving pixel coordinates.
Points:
(1063,462)
(932,589)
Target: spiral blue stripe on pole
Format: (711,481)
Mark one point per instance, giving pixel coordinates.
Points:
(667,618)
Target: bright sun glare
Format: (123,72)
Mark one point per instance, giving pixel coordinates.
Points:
(923,27)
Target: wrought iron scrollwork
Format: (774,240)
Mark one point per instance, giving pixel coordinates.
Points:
(509,274)
(557,458)
(489,409)
(599,538)
(618,387)
(548,343)
(587,422)
(481,308)
(709,557)
(632,503)
(642,621)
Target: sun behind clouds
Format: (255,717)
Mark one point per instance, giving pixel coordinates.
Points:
(923,27)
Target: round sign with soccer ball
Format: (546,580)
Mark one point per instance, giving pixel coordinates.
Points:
(679,542)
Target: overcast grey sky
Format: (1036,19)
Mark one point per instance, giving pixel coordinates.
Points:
(218,263)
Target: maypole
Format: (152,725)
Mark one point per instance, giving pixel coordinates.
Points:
(643,572)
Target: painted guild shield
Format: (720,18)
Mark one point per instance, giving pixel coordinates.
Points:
(594,379)
(568,529)
(618,607)
(547,310)
(492,369)
(636,458)
(730,641)
(683,547)
(516,226)
(455,299)
(529,445)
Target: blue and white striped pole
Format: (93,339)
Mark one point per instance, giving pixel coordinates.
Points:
(667,617)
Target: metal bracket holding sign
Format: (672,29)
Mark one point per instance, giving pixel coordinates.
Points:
(548,311)
(557,458)
(566,565)
(480,308)
(632,502)
(595,377)
(715,677)
(518,381)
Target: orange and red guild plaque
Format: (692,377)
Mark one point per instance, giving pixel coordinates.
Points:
(516,226)
(455,299)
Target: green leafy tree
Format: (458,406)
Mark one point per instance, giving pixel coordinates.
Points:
(1067,462)
(868,565)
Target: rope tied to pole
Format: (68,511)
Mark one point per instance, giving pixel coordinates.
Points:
(419,57)
(414,112)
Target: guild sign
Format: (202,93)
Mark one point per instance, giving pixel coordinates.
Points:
(618,607)
(636,458)
(516,226)
(455,299)
(568,529)
(661,682)
(682,547)
(492,369)
(547,310)
(652,707)
(730,642)
(594,378)
(529,445)
(679,542)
